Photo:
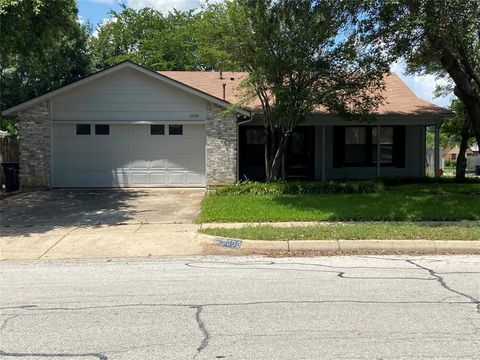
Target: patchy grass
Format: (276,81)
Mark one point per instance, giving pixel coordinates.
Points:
(350,232)
(447,201)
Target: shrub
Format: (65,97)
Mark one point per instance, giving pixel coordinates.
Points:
(301,187)
(393,181)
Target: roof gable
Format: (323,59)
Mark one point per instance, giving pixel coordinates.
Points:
(126,64)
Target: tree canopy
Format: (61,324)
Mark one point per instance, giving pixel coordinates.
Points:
(299,55)
(149,38)
(439,37)
(42,48)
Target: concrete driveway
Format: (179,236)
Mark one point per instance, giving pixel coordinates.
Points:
(78,223)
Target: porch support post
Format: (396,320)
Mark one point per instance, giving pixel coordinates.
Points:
(323,153)
(378,150)
(436,155)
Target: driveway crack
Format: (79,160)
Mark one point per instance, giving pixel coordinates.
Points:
(442,282)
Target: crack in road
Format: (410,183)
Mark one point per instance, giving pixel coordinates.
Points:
(99,356)
(442,282)
(203,329)
(5,322)
(261,265)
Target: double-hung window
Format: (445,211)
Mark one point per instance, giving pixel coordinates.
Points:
(358,146)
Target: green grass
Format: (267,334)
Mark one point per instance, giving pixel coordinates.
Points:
(445,201)
(350,232)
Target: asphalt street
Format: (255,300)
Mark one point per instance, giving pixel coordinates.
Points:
(362,307)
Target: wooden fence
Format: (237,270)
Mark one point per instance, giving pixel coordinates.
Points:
(8,152)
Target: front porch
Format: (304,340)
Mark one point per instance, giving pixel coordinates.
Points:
(323,150)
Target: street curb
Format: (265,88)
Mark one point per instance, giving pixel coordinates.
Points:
(350,245)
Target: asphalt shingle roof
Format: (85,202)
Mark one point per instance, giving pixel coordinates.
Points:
(399,99)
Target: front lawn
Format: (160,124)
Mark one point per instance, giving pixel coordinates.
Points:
(444,201)
(350,232)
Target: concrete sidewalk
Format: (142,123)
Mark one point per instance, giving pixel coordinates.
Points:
(129,240)
(153,240)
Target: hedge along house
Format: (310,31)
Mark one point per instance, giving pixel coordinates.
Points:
(128,126)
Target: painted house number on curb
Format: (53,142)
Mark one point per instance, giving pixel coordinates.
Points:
(230,243)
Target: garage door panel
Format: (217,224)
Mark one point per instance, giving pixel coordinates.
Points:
(158,178)
(139,148)
(84,178)
(193,178)
(105,178)
(176,178)
(139,178)
(102,163)
(102,147)
(68,178)
(140,163)
(64,163)
(120,146)
(128,156)
(159,164)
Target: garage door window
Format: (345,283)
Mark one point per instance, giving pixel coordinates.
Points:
(102,129)
(83,129)
(157,129)
(175,129)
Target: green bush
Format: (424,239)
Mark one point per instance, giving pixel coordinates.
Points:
(393,181)
(450,163)
(301,187)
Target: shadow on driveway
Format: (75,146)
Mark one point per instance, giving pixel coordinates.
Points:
(42,211)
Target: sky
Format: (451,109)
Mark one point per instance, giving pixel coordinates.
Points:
(97,11)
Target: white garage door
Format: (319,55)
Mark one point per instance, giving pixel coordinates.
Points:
(111,155)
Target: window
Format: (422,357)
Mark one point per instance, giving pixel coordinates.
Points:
(386,145)
(157,129)
(453,157)
(102,129)
(175,129)
(358,146)
(83,129)
(255,136)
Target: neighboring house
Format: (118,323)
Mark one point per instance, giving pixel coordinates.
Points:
(452,153)
(127,126)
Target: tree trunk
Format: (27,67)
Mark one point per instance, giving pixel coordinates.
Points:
(461,164)
(276,140)
(464,89)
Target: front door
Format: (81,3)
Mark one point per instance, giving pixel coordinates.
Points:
(299,156)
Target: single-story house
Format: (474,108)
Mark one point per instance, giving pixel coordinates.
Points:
(128,126)
(451,153)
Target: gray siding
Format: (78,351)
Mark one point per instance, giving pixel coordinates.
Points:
(127,95)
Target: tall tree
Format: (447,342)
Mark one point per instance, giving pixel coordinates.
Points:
(147,37)
(434,36)
(458,130)
(299,55)
(43,47)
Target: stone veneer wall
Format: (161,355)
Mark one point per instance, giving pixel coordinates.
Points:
(221,131)
(35,145)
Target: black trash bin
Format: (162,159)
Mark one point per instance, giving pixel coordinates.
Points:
(477,170)
(10,169)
